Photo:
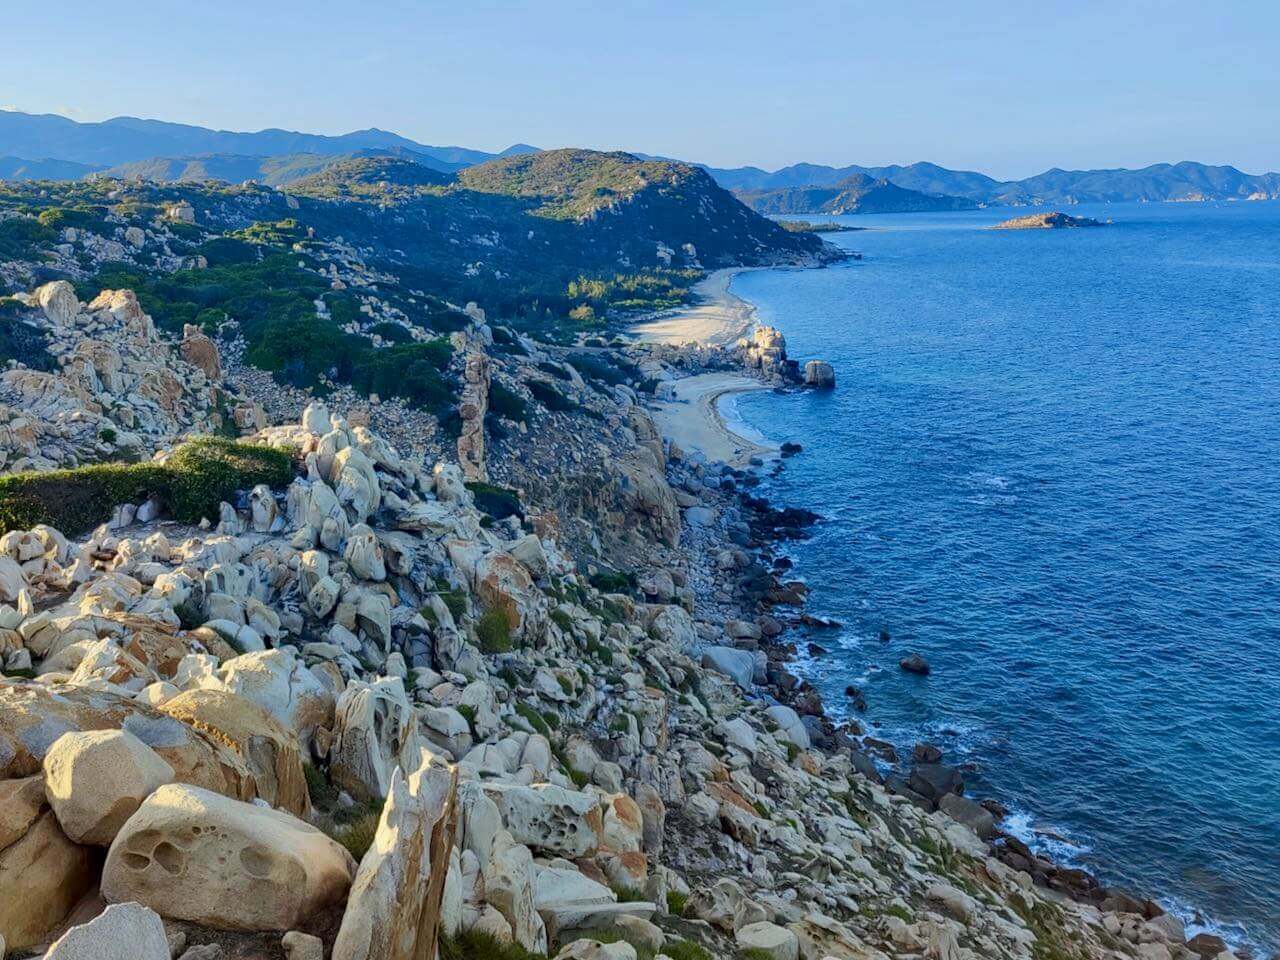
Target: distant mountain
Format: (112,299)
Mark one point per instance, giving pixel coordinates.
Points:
(856,193)
(272,171)
(129,139)
(16,168)
(1159,182)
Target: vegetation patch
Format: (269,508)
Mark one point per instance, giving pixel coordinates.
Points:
(550,397)
(497,502)
(493,632)
(192,482)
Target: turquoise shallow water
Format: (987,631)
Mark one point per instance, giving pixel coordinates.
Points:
(1052,467)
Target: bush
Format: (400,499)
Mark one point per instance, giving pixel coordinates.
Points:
(196,478)
(550,397)
(612,581)
(493,632)
(534,719)
(685,950)
(676,902)
(357,836)
(497,502)
(392,332)
(505,402)
(472,945)
(598,368)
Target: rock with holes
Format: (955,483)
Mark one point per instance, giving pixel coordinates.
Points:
(194,855)
(548,818)
(724,905)
(124,931)
(375,730)
(96,779)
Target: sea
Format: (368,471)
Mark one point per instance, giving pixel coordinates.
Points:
(1051,466)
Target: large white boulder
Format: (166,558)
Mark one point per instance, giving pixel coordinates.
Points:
(191,854)
(96,779)
(549,818)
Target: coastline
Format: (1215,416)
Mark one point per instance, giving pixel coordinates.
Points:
(692,419)
(689,411)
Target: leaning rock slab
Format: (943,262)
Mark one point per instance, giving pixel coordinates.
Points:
(194,855)
(393,912)
(269,750)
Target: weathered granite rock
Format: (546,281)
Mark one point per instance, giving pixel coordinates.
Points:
(269,750)
(96,779)
(43,875)
(124,931)
(195,855)
(393,911)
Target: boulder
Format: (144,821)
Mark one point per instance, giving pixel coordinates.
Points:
(935,780)
(769,939)
(819,937)
(33,716)
(298,946)
(269,750)
(96,779)
(191,854)
(586,949)
(738,665)
(915,664)
(819,374)
(724,905)
(972,815)
(124,931)
(549,818)
(43,875)
(375,730)
(393,911)
(280,683)
(509,886)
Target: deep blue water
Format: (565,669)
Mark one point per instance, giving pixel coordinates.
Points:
(1052,467)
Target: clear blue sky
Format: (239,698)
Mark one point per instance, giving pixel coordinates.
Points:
(1006,88)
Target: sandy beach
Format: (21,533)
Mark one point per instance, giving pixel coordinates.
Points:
(719,317)
(692,417)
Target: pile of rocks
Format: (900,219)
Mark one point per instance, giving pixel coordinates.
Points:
(119,386)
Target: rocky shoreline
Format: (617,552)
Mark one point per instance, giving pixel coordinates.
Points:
(925,780)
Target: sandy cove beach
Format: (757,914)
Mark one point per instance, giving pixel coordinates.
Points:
(692,417)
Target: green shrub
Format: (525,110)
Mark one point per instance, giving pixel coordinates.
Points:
(505,402)
(550,397)
(196,478)
(685,950)
(493,632)
(392,332)
(324,795)
(562,620)
(481,946)
(107,435)
(357,836)
(534,719)
(755,953)
(612,581)
(22,238)
(676,902)
(497,502)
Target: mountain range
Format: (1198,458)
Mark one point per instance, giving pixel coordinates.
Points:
(54,147)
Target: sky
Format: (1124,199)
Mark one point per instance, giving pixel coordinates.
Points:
(1009,89)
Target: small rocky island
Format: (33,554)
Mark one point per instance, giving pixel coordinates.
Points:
(1054,220)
